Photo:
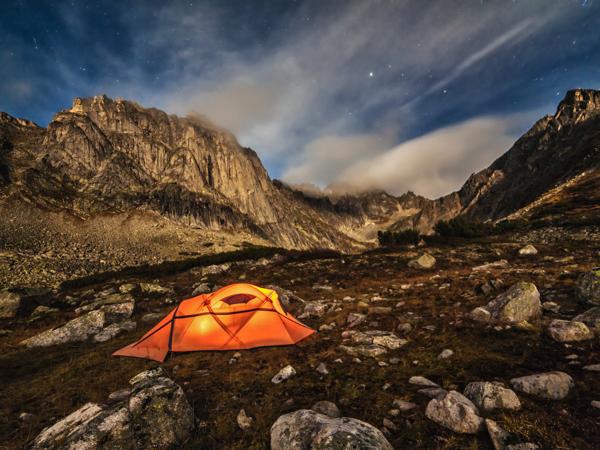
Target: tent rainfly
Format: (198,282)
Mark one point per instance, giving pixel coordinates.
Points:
(238,316)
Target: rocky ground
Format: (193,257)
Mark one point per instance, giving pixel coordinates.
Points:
(430,347)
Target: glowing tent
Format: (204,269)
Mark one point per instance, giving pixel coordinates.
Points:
(238,316)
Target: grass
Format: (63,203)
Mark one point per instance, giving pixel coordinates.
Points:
(53,382)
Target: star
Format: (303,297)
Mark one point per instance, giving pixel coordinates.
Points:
(371,74)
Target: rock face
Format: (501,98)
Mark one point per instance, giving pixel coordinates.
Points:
(456,412)
(156,415)
(588,287)
(520,303)
(490,396)
(551,385)
(569,331)
(306,430)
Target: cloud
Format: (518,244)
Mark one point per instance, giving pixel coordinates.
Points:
(434,164)
(324,158)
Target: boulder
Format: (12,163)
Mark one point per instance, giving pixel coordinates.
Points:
(425,261)
(306,430)
(455,412)
(328,408)
(588,287)
(569,331)
(528,250)
(445,354)
(104,323)
(551,385)
(216,269)
(201,288)
(286,297)
(591,318)
(491,396)
(519,303)
(480,314)
(10,304)
(155,414)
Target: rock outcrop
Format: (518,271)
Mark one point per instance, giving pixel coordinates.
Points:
(154,414)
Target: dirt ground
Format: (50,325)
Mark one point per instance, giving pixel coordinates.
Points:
(50,383)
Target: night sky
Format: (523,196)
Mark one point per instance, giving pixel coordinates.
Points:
(392,94)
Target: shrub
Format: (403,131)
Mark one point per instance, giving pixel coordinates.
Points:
(461,227)
(404,237)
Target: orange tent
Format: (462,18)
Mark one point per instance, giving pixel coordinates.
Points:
(238,316)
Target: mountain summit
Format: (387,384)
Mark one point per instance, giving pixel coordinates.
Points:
(123,176)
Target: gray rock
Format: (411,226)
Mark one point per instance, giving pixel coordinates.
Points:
(491,396)
(519,303)
(569,331)
(313,309)
(201,288)
(551,385)
(404,328)
(445,354)
(322,369)
(216,269)
(111,315)
(500,264)
(154,289)
(425,261)
(155,414)
(480,314)
(120,395)
(113,330)
(498,436)
(528,250)
(354,319)
(455,412)
(422,381)
(591,318)
(284,374)
(328,408)
(306,430)
(588,286)
(286,297)
(152,317)
(369,351)
(433,392)
(551,306)
(243,420)
(592,368)
(403,405)
(10,303)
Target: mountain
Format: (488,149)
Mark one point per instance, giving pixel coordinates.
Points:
(103,160)
(109,182)
(556,162)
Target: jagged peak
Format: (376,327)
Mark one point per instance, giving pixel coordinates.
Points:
(578,102)
(16,121)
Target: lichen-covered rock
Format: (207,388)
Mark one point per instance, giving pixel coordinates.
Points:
(371,343)
(551,385)
(308,430)
(155,414)
(10,303)
(77,330)
(519,303)
(154,289)
(368,351)
(591,318)
(425,261)
(102,324)
(569,331)
(491,396)
(313,309)
(328,408)
(588,286)
(455,412)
